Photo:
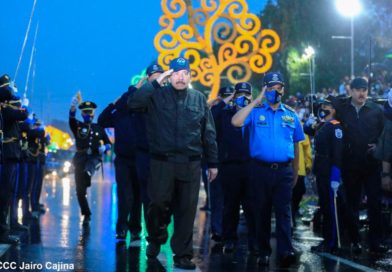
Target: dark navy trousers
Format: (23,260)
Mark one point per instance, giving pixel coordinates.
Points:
(272,188)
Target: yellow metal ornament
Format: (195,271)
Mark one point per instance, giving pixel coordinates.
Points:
(221,38)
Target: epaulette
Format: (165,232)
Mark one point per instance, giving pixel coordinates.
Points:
(289,108)
(334,122)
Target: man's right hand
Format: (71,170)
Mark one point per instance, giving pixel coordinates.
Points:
(259,98)
(141,82)
(165,75)
(229,98)
(74,102)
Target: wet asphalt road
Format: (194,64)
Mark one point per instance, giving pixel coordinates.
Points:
(59,242)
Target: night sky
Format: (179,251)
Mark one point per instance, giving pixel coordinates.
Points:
(94,46)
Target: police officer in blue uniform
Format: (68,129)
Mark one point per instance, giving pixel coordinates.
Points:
(328,143)
(234,172)
(275,131)
(129,186)
(91,142)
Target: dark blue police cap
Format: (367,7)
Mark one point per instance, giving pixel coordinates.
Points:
(226,91)
(273,78)
(4,80)
(359,83)
(243,87)
(154,68)
(87,106)
(180,64)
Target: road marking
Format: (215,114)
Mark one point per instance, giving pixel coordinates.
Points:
(347,262)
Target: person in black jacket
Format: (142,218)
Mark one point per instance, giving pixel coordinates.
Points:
(36,186)
(129,186)
(11,115)
(180,130)
(328,143)
(362,122)
(234,172)
(91,142)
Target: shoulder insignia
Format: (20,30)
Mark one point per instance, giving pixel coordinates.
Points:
(338,133)
(334,122)
(289,108)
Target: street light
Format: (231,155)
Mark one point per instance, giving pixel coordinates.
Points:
(309,54)
(349,8)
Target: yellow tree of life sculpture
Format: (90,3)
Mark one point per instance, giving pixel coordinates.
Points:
(221,38)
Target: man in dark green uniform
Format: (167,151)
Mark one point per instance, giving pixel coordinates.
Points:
(180,130)
(91,142)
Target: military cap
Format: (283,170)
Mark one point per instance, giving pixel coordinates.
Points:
(87,106)
(359,83)
(273,78)
(154,68)
(180,64)
(4,80)
(226,91)
(243,87)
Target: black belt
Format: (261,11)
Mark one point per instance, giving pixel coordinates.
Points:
(175,157)
(273,165)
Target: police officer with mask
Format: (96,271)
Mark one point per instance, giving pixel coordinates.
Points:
(129,181)
(362,122)
(180,130)
(275,131)
(328,143)
(234,172)
(91,142)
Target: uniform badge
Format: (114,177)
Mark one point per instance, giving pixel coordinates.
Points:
(288,119)
(262,118)
(275,77)
(338,133)
(181,61)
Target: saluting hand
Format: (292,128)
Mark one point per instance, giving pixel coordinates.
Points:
(259,98)
(141,82)
(162,77)
(229,98)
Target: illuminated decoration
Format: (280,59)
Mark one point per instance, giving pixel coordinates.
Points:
(58,138)
(135,79)
(221,39)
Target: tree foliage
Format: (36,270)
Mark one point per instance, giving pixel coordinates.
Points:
(310,22)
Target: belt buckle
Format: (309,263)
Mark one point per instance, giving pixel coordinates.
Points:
(274,166)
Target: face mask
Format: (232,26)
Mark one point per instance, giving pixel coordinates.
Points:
(241,101)
(323,113)
(273,96)
(87,118)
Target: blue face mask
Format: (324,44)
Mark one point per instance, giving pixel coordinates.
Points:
(87,118)
(273,96)
(323,113)
(241,101)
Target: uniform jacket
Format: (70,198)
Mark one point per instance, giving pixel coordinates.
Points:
(233,142)
(11,134)
(360,129)
(178,123)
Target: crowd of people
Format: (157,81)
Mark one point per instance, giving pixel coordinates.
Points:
(22,161)
(254,152)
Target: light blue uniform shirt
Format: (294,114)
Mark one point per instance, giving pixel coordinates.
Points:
(273,133)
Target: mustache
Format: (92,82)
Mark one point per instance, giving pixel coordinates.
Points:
(182,82)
